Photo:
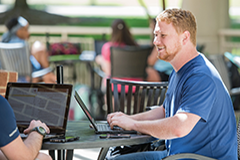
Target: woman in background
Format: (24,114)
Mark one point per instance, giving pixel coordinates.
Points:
(120,37)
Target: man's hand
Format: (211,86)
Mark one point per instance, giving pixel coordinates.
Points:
(120,119)
(34,124)
(29,149)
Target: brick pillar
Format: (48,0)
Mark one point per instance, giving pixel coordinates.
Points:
(5,77)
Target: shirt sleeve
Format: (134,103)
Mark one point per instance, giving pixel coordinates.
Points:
(198,95)
(8,126)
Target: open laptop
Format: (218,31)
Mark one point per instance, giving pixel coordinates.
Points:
(99,127)
(40,101)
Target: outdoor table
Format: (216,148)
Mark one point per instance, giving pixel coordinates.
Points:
(88,139)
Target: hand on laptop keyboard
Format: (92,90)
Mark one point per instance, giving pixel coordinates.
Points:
(116,128)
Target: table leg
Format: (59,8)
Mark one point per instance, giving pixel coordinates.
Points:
(69,154)
(52,154)
(61,154)
(103,153)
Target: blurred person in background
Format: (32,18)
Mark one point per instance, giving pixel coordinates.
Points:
(120,37)
(18,33)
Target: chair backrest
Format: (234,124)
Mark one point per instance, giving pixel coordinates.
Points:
(15,57)
(219,62)
(136,96)
(129,61)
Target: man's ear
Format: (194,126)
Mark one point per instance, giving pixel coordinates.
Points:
(186,37)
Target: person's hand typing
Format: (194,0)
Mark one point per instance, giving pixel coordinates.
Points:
(120,119)
(109,117)
(34,124)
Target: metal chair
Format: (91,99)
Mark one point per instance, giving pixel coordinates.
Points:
(129,61)
(126,62)
(16,57)
(134,96)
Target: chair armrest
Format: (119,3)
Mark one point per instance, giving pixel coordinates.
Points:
(100,73)
(235,91)
(41,72)
(188,156)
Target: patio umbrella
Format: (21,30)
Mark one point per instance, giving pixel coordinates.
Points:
(163,4)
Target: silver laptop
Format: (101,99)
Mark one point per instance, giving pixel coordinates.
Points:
(100,127)
(46,102)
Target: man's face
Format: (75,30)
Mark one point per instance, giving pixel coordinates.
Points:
(167,41)
(23,32)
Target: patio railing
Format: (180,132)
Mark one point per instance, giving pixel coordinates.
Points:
(73,34)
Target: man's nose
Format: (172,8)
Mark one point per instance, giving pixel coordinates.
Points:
(156,41)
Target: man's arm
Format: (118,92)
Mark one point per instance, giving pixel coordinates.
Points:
(177,126)
(180,125)
(17,150)
(157,113)
(153,114)
(29,149)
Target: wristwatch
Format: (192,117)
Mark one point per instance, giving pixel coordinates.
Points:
(40,130)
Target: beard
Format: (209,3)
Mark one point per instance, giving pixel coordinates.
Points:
(169,53)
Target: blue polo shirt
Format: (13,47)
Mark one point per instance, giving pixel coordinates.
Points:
(197,88)
(8,126)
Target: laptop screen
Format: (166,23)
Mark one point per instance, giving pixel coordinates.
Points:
(46,102)
(85,110)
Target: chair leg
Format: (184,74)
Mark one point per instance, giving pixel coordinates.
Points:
(69,154)
(61,154)
(103,153)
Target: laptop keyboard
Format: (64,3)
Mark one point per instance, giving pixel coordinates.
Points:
(106,127)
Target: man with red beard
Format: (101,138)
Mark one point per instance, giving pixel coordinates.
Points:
(197,114)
